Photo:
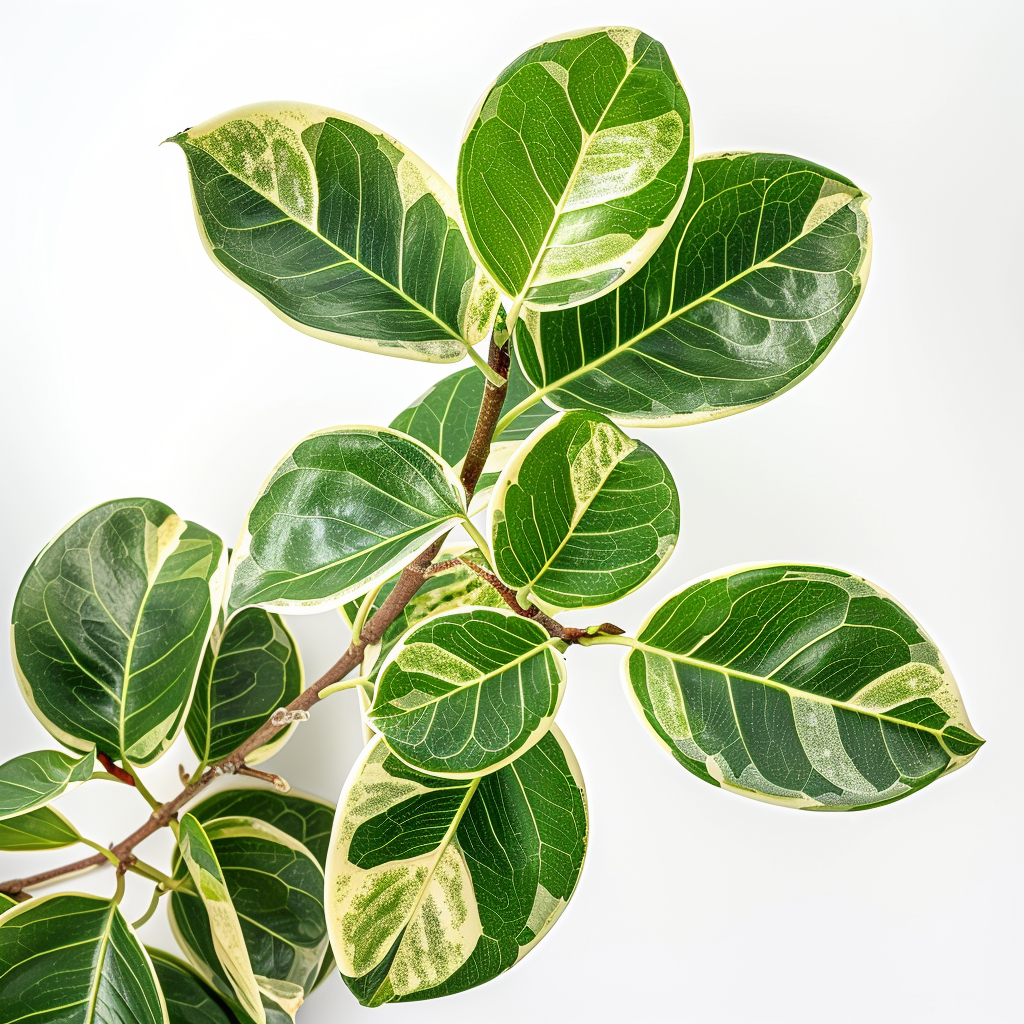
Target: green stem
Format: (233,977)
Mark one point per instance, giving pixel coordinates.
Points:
(481,364)
(364,611)
(345,684)
(101,849)
(153,903)
(478,539)
(140,867)
(516,410)
(146,795)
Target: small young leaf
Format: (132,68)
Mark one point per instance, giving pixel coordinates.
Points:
(753,285)
(434,886)
(466,692)
(801,685)
(339,229)
(574,164)
(33,780)
(582,514)
(458,587)
(73,958)
(275,933)
(250,669)
(342,511)
(109,627)
(189,999)
(41,829)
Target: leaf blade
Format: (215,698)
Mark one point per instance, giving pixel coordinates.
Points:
(32,780)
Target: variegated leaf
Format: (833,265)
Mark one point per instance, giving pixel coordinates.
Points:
(466,692)
(434,886)
(582,514)
(110,624)
(33,780)
(457,587)
(250,669)
(258,934)
(753,285)
(345,509)
(189,999)
(574,164)
(339,229)
(41,829)
(73,959)
(802,685)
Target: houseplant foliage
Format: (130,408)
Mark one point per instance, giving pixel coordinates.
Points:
(621,282)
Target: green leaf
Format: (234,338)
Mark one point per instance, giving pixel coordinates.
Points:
(250,669)
(445,416)
(109,627)
(189,999)
(41,829)
(458,587)
(344,510)
(33,780)
(467,692)
(753,285)
(582,514)
(339,229)
(434,886)
(574,164)
(305,818)
(6,902)
(262,930)
(802,685)
(73,959)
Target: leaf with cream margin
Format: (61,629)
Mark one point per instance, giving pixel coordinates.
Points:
(189,999)
(41,829)
(259,937)
(435,885)
(250,669)
(573,166)
(466,692)
(345,234)
(801,685)
(32,780)
(755,282)
(582,515)
(345,509)
(73,958)
(109,627)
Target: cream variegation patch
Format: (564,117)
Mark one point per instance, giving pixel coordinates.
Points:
(590,466)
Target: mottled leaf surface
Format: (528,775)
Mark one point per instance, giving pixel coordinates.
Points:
(339,229)
(466,692)
(110,624)
(250,669)
(41,829)
(73,959)
(582,514)
(33,780)
(274,887)
(434,885)
(188,998)
(755,282)
(344,510)
(801,685)
(574,164)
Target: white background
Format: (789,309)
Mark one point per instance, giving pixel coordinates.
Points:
(132,366)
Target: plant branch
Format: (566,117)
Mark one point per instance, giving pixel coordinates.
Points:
(409,581)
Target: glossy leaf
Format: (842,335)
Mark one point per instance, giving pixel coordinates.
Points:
(250,669)
(344,510)
(6,902)
(41,829)
(753,285)
(574,164)
(466,692)
(801,685)
(339,229)
(33,780)
(459,587)
(582,514)
(189,999)
(434,886)
(258,936)
(73,959)
(109,627)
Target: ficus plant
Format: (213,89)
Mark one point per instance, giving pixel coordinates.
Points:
(619,282)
